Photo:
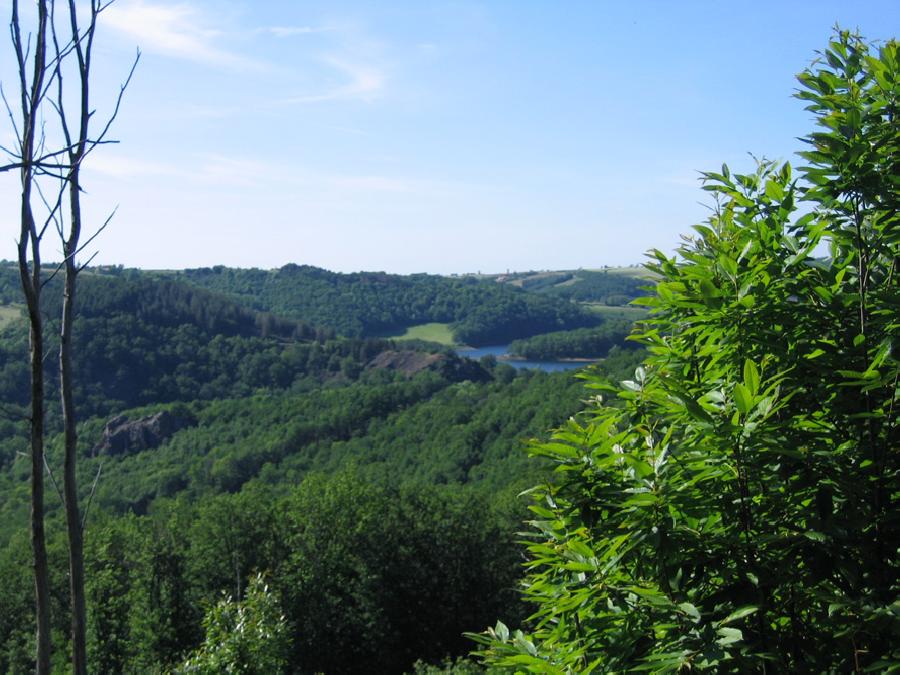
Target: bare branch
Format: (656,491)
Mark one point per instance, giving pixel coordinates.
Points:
(97,233)
(115,112)
(87,507)
(12,118)
(58,104)
(88,262)
(53,480)
(52,210)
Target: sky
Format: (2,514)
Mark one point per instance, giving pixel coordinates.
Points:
(432,136)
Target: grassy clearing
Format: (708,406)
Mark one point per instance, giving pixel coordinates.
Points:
(616,312)
(638,271)
(432,332)
(8,314)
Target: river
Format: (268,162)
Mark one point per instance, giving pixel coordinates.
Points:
(501,352)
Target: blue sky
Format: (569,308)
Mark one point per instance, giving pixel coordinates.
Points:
(434,136)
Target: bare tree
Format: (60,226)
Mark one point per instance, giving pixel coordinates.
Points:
(62,44)
(32,92)
(78,144)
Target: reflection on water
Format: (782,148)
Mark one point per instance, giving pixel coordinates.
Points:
(501,353)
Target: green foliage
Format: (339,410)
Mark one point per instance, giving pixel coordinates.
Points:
(410,569)
(243,636)
(593,343)
(458,666)
(736,509)
(428,332)
(606,287)
(368,578)
(374,303)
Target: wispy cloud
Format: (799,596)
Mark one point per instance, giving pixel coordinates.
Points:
(290,31)
(363,82)
(176,30)
(245,172)
(130,167)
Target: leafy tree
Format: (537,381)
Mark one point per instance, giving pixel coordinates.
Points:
(735,506)
(582,343)
(243,636)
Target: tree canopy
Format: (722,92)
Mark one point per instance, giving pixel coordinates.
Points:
(734,504)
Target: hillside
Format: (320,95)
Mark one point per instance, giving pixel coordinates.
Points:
(196,398)
(614,286)
(370,304)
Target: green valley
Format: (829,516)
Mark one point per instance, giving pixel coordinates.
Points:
(269,467)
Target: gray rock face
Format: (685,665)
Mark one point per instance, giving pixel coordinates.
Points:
(406,361)
(127,437)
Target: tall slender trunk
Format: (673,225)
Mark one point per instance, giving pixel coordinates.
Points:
(38,540)
(74,526)
(30,277)
(31,287)
(70,481)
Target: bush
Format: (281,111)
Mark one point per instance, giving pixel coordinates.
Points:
(736,508)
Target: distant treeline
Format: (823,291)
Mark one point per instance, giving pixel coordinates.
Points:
(374,303)
(591,343)
(599,286)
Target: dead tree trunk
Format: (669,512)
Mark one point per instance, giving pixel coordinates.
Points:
(63,165)
(70,241)
(78,144)
(32,93)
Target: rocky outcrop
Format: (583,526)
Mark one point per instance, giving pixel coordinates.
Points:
(407,361)
(448,364)
(127,437)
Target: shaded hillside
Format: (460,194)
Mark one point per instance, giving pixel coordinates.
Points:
(142,340)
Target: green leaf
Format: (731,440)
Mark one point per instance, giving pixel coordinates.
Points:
(708,290)
(728,636)
(751,377)
(580,548)
(739,613)
(774,191)
(690,610)
(743,398)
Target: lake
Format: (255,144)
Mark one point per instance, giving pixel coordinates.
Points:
(501,352)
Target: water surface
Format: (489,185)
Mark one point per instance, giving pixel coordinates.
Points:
(501,353)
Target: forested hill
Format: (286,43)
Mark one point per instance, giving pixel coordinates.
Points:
(395,462)
(609,286)
(480,311)
(143,339)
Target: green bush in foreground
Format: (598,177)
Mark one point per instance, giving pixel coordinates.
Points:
(243,636)
(737,509)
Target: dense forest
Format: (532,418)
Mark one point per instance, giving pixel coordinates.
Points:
(586,343)
(272,484)
(612,287)
(198,406)
(480,311)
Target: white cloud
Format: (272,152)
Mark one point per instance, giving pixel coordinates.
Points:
(290,31)
(363,82)
(176,30)
(129,167)
(245,172)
